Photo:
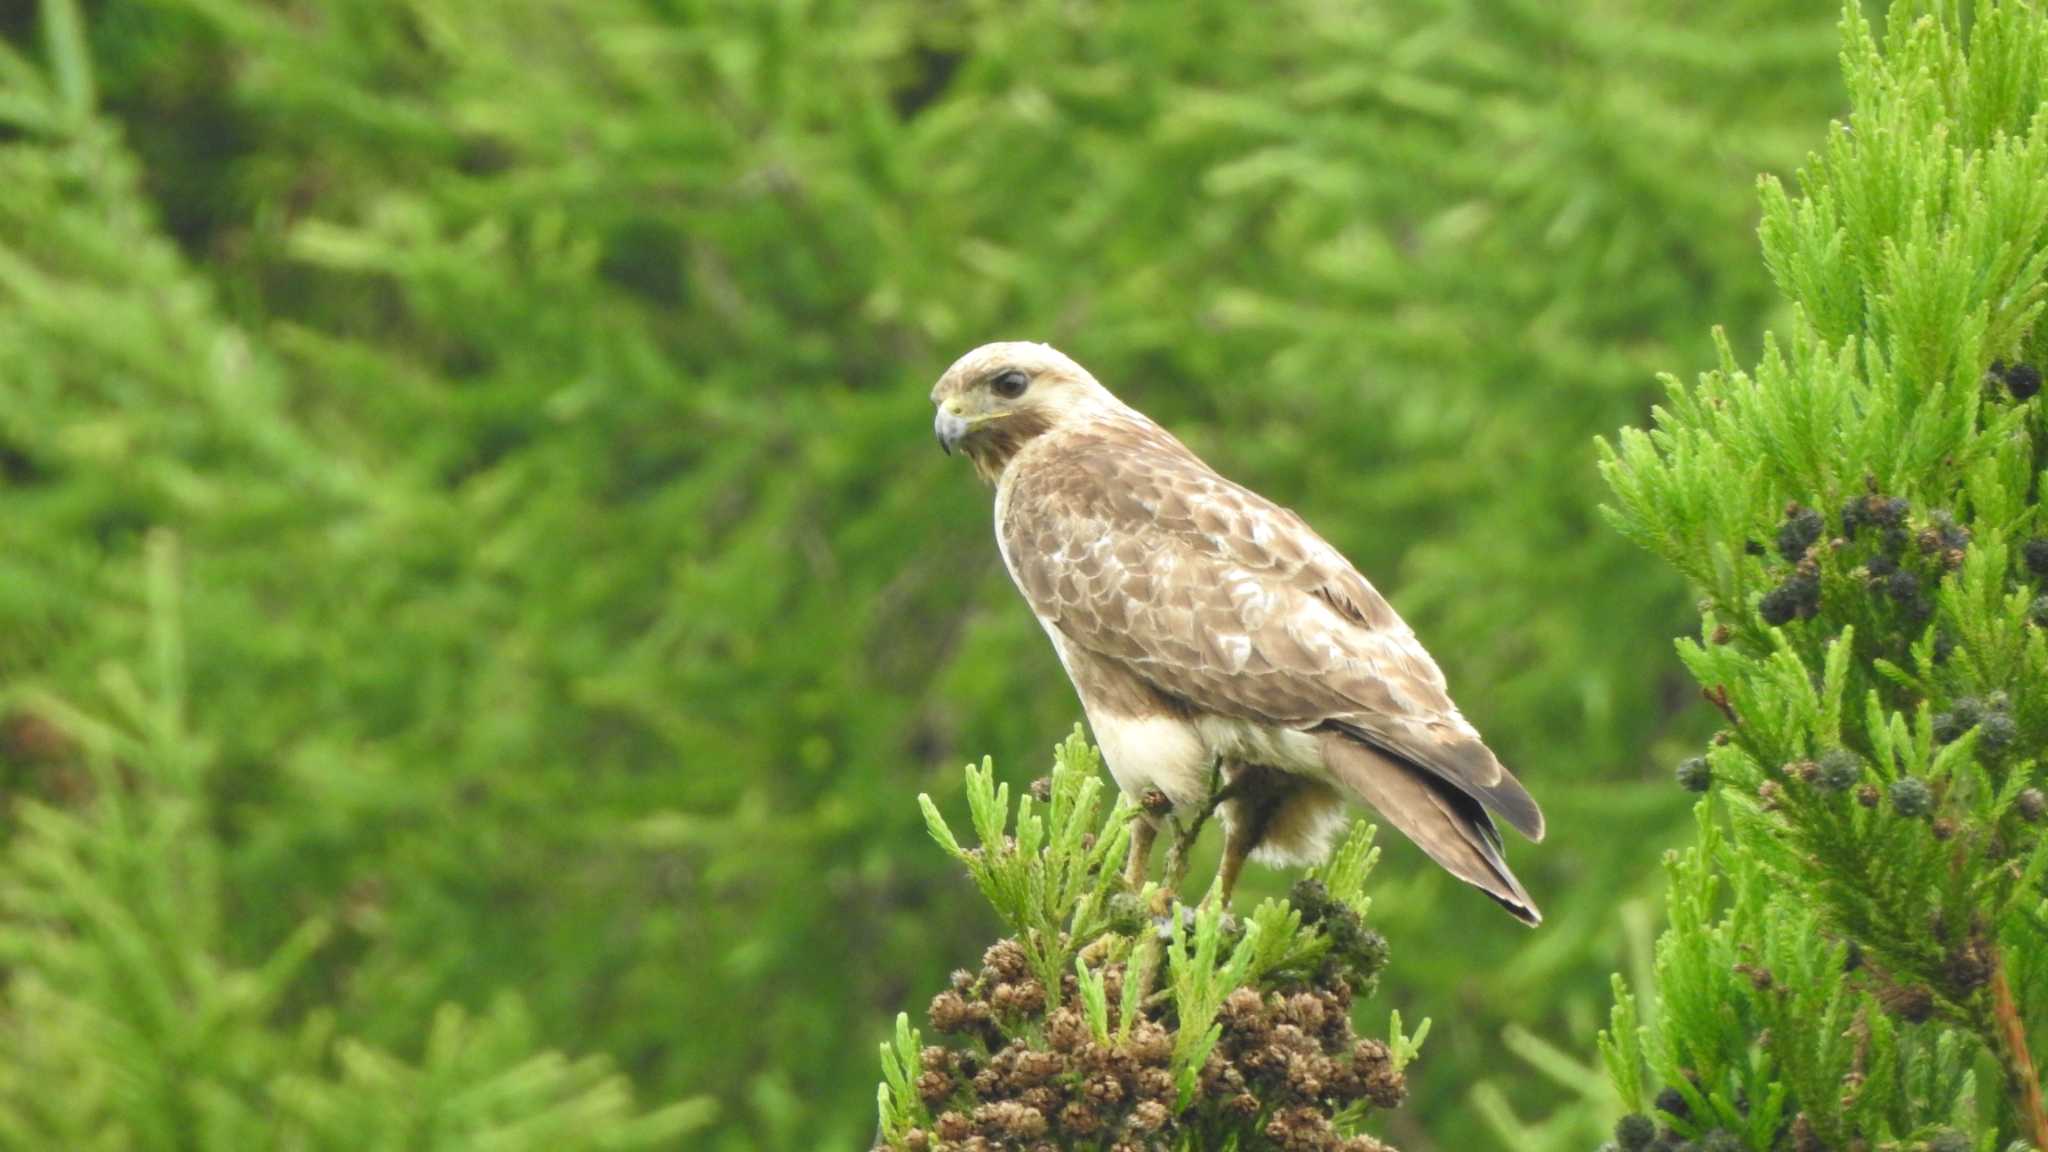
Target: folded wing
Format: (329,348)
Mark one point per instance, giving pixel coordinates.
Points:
(1139,552)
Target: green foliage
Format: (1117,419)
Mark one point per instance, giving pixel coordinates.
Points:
(536,389)
(1231,1033)
(113,927)
(1761,1010)
(896,1098)
(1049,890)
(1855,947)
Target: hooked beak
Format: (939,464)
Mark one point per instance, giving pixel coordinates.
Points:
(951,428)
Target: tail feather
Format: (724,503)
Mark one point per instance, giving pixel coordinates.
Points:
(1446,823)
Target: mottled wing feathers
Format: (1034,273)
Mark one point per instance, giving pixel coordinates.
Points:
(1140,553)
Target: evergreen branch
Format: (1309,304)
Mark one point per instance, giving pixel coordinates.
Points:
(1860,512)
(901,1108)
(1621,1049)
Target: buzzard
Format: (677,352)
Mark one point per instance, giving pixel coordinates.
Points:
(1213,637)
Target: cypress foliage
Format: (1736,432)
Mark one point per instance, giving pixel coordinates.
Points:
(1857,951)
(1095,1025)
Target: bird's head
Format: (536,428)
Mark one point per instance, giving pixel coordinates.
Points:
(1000,397)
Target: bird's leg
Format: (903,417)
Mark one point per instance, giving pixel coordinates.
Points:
(1244,826)
(1239,838)
(1177,852)
(1184,837)
(1143,832)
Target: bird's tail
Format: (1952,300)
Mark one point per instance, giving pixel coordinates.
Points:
(1441,820)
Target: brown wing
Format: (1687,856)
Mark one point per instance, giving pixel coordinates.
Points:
(1139,552)
(1443,821)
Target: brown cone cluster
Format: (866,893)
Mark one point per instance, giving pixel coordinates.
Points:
(1017,1076)
(1289,1061)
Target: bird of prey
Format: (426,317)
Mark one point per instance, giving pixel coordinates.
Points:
(1212,635)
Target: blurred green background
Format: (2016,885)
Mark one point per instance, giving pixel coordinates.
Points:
(476,580)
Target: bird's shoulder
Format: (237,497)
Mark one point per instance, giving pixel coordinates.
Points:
(1134,478)
(1138,498)
(1113,469)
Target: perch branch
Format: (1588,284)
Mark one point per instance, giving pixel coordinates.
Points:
(2013,1054)
(1185,835)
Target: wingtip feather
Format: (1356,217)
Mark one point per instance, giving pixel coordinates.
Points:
(1512,803)
(1447,823)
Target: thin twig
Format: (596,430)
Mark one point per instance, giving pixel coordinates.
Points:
(1717,695)
(1184,836)
(2013,1053)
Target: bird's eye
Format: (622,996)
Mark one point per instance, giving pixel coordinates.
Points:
(1010,384)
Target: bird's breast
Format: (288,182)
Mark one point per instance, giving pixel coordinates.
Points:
(1160,751)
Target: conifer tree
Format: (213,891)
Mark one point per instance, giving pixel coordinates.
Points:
(1857,948)
(1112,1019)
